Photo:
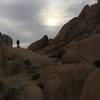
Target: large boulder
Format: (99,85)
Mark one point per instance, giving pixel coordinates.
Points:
(22,91)
(6,40)
(15,60)
(64,82)
(91,89)
(23,76)
(83,49)
(39,44)
(31,92)
(71,54)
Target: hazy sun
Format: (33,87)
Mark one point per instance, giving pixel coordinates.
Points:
(51,16)
(52,21)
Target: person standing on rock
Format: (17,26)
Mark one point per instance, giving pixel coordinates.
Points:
(18,43)
(0,33)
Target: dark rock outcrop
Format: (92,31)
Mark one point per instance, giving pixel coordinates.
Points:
(21,91)
(83,50)
(91,89)
(15,60)
(39,44)
(65,82)
(6,40)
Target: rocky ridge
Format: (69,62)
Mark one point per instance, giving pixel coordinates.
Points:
(39,44)
(86,24)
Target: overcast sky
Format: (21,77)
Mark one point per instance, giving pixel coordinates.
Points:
(29,20)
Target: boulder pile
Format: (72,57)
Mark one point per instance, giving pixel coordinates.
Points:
(63,68)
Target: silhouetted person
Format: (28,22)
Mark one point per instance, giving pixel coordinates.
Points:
(97,63)
(18,43)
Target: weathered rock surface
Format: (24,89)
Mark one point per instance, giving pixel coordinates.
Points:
(32,92)
(5,40)
(85,23)
(14,60)
(22,91)
(65,82)
(25,75)
(39,44)
(83,50)
(91,89)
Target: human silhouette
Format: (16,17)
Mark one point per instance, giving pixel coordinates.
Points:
(18,43)
(97,63)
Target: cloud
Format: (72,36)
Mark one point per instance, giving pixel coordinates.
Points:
(29,20)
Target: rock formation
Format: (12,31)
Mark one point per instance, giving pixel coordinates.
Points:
(91,88)
(64,68)
(81,31)
(6,40)
(65,82)
(99,1)
(22,91)
(85,23)
(16,60)
(84,50)
(39,44)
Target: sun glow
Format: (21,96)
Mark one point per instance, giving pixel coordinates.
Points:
(52,16)
(52,21)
